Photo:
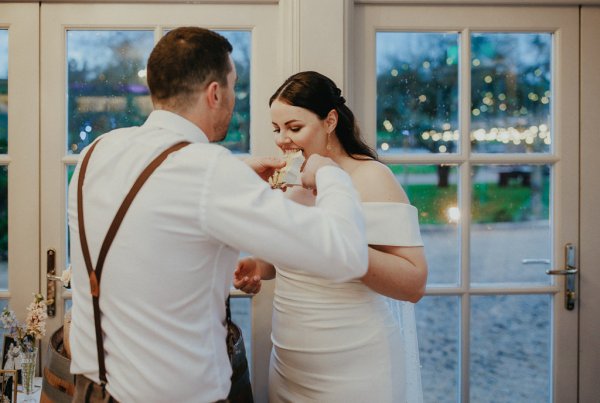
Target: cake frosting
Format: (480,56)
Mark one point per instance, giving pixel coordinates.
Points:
(289,175)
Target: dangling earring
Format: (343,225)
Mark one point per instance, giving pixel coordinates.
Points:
(328,146)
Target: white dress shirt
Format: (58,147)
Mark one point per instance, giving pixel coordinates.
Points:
(169,270)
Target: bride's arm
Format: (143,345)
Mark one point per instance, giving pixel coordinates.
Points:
(398,272)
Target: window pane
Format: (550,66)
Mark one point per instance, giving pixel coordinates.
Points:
(510,235)
(417,92)
(238,135)
(4,227)
(432,190)
(510,92)
(438,321)
(70,170)
(510,348)
(3,91)
(3,304)
(106,83)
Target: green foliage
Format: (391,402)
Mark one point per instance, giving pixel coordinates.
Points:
(398,169)
(432,201)
(490,203)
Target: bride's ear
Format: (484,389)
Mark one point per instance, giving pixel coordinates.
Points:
(331,120)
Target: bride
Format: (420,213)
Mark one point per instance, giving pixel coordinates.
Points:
(353,341)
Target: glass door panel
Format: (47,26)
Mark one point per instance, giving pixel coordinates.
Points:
(511,348)
(417,87)
(438,328)
(510,212)
(238,135)
(434,189)
(106,83)
(107,90)
(3,149)
(3,90)
(510,92)
(489,164)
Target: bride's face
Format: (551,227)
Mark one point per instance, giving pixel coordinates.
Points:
(297,128)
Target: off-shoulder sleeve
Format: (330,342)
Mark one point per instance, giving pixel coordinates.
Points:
(393,224)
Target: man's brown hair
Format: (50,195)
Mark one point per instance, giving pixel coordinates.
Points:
(185,61)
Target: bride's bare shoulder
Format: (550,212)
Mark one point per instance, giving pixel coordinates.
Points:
(376,183)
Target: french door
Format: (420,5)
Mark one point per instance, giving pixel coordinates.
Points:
(493,167)
(93,80)
(476,111)
(19,148)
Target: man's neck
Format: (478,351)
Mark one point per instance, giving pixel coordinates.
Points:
(193,114)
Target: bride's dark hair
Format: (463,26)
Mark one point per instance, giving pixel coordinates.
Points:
(319,94)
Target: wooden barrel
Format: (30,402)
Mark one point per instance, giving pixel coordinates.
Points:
(58,384)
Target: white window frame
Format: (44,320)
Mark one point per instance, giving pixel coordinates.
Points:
(22,159)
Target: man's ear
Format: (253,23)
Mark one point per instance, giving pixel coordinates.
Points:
(213,94)
(331,120)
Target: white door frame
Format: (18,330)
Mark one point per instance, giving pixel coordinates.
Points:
(589,263)
(22,159)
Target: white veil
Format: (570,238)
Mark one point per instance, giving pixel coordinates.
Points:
(398,224)
(403,313)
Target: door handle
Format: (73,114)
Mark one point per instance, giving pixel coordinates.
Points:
(50,285)
(569,271)
(535,261)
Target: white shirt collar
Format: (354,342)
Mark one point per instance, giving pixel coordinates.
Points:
(178,124)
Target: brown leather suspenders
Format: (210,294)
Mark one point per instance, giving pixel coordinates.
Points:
(95,275)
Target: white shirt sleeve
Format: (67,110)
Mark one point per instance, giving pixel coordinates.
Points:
(242,211)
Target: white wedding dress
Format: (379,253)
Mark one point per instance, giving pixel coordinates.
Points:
(342,342)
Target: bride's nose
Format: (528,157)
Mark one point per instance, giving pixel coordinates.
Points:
(282,139)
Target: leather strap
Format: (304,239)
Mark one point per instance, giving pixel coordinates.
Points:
(95,275)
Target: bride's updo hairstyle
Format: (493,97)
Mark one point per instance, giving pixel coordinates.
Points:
(319,94)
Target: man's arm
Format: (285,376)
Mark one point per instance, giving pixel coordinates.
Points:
(328,239)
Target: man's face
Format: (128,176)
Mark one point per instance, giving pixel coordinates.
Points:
(226,107)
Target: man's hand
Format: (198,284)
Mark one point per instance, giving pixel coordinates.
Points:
(311,166)
(265,167)
(246,276)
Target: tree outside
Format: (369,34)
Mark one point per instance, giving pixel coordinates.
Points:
(107,85)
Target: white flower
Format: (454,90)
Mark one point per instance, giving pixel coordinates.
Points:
(36,317)
(34,328)
(65,277)
(9,319)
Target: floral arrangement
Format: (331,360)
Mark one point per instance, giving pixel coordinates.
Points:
(26,334)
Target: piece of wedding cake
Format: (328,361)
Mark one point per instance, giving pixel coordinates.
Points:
(289,175)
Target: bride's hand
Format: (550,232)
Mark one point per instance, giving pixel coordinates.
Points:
(246,276)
